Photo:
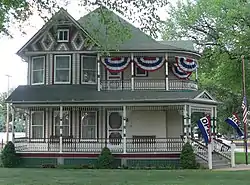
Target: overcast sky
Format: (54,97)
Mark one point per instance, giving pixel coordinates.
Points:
(12,65)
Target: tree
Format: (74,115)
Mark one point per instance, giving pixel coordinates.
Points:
(142,11)
(220,30)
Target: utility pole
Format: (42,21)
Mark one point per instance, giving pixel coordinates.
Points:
(7,116)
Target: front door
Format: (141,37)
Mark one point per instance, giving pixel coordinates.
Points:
(114,128)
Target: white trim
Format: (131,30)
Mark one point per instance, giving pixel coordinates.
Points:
(120,130)
(70,68)
(117,76)
(204,92)
(54,122)
(58,35)
(31,125)
(96,125)
(32,65)
(140,75)
(82,57)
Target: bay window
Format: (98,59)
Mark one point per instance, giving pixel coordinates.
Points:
(88,125)
(37,124)
(65,123)
(88,69)
(37,70)
(62,69)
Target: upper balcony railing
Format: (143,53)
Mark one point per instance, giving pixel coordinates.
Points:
(149,84)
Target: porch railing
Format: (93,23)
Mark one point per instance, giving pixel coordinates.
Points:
(149,84)
(96,145)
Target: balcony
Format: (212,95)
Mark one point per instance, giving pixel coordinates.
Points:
(149,84)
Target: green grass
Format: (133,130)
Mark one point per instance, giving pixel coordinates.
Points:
(28,176)
(240,158)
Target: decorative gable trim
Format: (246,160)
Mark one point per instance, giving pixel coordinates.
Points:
(78,41)
(47,41)
(62,47)
(49,24)
(205,96)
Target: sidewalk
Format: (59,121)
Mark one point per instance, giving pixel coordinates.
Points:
(238,167)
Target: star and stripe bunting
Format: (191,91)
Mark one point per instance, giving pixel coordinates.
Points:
(186,64)
(179,73)
(116,64)
(149,63)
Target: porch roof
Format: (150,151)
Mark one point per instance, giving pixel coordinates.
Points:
(54,94)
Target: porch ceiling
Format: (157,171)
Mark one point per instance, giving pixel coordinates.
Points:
(54,94)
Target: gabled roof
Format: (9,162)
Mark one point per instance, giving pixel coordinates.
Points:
(61,12)
(184,44)
(54,94)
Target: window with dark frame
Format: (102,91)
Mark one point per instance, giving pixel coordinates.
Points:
(140,72)
(88,125)
(89,70)
(37,124)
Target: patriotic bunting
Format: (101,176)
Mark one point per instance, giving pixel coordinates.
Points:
(179,73)
(149,63)
(116,64)
(186,64)
(234,122)
(204,125)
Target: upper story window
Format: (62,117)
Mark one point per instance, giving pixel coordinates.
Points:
(62,69)
(140,72)
(88,69)
(37,70)
(63,35)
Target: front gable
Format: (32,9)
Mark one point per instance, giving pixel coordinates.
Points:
(204,96)
(46,38)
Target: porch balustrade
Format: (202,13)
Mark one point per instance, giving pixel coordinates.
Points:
(133,145)
(148,84)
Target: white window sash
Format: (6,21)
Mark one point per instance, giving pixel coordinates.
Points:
(81,125)
(117,76)
(31,125)
(58,125)
(58,35)
(58,69)
(87,69)
(37,70)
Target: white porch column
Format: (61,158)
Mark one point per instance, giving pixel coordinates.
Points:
(61,129)
(132,73)
(185,123)
(189,121)
(196,75)
(233,146)
(210,159)
(124,129)
(166,72)
(98,72)
(215,120)
(13,124)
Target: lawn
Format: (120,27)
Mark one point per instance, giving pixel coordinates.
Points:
(29,176)
(240,158)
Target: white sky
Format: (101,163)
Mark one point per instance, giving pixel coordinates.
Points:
(12,65)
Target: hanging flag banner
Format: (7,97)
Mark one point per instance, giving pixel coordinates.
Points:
(186,64)
(179,73)
(234,121)
(204,125)
(149,63)
(116,64)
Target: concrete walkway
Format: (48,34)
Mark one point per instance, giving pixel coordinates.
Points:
(238,167)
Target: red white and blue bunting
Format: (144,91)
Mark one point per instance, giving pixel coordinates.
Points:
(186,64)
(149,63)
(179,73)
(116,64)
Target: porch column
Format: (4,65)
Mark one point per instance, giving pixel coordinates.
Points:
(61,129)
(166,72)
(132,73)
(13,124)
(215,121)
(189,121)
(124,129)
(185,130)
(98,72)
(196,75)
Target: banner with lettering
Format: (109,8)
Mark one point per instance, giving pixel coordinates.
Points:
(204,125)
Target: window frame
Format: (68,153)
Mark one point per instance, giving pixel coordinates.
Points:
(96,127)
(140,75)
(110,76)
(82,60)
(55,69)
(54,122)
(58,35)
(32,70)
(31,126)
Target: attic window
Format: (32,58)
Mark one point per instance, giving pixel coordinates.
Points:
(63,35)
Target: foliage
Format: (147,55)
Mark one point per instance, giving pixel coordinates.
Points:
(105,159)
(140,11)
(220,29)
(9,157)
(187,158)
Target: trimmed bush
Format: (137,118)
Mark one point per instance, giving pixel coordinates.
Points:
(9,157)
(187,158)
(105,159)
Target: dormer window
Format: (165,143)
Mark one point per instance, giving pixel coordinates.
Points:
(63,35)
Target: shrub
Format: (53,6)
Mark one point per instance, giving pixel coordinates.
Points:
(187,158)
(9,157)
(105,159)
